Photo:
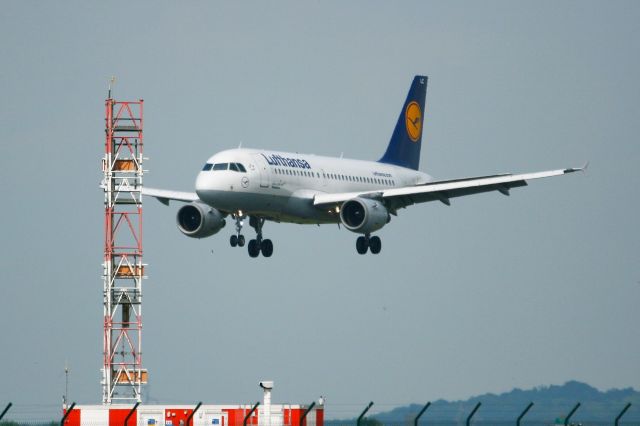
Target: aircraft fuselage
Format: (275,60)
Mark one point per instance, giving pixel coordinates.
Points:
(280,186)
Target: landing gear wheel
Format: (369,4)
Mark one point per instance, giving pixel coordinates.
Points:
(361,245)
(254,248)
(241,240)
(233,240)
(375,244)
(266,246)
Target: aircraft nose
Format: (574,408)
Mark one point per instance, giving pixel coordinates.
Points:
(201,182)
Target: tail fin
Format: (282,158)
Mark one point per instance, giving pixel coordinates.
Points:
(404,146)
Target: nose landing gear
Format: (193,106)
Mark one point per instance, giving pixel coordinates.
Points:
(368,242)
(259,244)
(238,238)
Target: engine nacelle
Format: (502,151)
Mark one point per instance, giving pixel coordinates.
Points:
(363,215)
(197,220)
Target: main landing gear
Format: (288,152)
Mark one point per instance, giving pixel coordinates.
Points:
(259,245)
(368,242)
(237,239)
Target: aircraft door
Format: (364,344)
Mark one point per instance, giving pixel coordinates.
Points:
(323,176)
(263,170)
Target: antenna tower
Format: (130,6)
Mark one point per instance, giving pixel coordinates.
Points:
(123,270)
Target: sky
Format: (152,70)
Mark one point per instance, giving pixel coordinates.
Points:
(486,295)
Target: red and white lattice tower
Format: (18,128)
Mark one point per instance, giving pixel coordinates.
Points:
(122,372)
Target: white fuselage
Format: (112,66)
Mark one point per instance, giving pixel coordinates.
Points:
(280,186)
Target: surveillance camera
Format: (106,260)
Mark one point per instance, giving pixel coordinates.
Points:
(266,384)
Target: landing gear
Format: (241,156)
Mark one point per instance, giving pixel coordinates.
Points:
(254,248)
(375,245)
(368,242)
(238,238)
(259,245)
(266,246)
(362,245)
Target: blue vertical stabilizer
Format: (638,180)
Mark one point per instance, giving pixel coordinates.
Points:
(404,146)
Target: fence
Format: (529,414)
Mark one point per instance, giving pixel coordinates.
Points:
(420,418)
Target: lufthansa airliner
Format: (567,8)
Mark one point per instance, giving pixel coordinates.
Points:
(265,185)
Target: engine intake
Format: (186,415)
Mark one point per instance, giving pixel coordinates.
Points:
(363,215)
(197,220)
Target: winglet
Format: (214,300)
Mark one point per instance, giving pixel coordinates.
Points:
(578,169)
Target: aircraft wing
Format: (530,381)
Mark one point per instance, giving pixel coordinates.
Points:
(395,198)
(165,195)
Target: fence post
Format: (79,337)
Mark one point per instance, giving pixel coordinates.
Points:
(73,404)
(363,413)
(246,418)
(473,412)
(304,415)
(624,410)
(193,413)
(415,421)
(5,410)
(526,410)
(566,419)
(126,419)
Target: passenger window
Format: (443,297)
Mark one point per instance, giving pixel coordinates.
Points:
(220,166)
(207,167)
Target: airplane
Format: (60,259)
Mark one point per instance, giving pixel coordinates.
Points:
(266,185)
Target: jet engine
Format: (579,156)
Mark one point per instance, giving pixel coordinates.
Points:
(197,220)
(364,215)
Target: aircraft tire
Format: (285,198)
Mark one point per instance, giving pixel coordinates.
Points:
(241,240)
(361,245)
(233,240)
(375,244)
(267,248)
(253,248)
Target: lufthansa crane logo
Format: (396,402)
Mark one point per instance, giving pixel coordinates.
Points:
(413,121)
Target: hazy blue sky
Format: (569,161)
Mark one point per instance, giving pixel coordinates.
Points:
(486,295)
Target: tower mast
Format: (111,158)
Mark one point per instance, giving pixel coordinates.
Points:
(123,269)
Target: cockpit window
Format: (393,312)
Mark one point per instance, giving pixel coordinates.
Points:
(220,166)
(237,167)
(207,167)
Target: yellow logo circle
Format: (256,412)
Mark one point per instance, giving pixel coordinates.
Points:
(413,121)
